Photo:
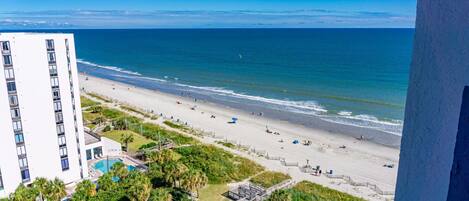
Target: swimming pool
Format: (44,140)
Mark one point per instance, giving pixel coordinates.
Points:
(103,167)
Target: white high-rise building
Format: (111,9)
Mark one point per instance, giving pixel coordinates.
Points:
(41,129)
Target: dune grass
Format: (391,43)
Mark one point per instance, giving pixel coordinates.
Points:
(99,97)
(307,191)
(135,110)
(86,102)
(213,192)
(268,179)
(219,165)
(226,144)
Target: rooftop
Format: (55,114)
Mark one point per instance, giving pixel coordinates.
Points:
(91,138)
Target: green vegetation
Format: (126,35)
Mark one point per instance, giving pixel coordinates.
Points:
(174,174)
(99,97)
(227,144)
(268,179)
(131,185)
(122,121)
(135,110)
(133,146)
(174,125)
(53,190)
(307,191)
(86,102)
(219,165)
(157,133)
(213,192)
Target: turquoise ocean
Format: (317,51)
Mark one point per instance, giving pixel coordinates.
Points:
(352,81)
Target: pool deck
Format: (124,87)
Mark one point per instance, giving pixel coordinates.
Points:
(95,174)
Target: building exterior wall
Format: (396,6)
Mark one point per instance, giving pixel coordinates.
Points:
(111,147)
(33,83)
(108,147)
(438,75)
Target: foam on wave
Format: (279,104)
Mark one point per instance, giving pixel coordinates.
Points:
(113,68)
(304,107)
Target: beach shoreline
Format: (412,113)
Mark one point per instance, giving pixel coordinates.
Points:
(306,113)
(360,159)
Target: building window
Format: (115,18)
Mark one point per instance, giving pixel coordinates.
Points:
(88,154)
(65,165)
(21,150)
(56,94)
(98,151)
(1,181)
(50,44)
(54,81)
(25,175)
(13,99)
(59,117)
(57,106)
(15,113)
(19,138)
(62,140)
(53,70)
(63,152)
(60,128)
(7,60)
(23,162)
(11,86)
(17,126)
(51,57)
(9,74)
(6,46)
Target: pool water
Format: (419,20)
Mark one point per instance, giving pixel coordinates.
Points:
(102,165)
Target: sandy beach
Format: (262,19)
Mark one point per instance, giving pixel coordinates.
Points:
(360,160)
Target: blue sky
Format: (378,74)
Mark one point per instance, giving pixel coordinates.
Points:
(26,14)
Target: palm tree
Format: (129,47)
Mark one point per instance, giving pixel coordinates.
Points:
(155,171)
(41,185)
(193,180)
(127,138)
(160,194)
(23,193)
(105,182)
(56,190)
(164,156)
(173,172)
(120,124)
(150,156)
(138,186)
(120,170)
(84,191)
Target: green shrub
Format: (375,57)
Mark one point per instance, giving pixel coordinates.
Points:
(99,97)
(227,144)
(107,128)
(86,102)
(307,191)
(135,110)
(219,165)
(147,146)
(268,179)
